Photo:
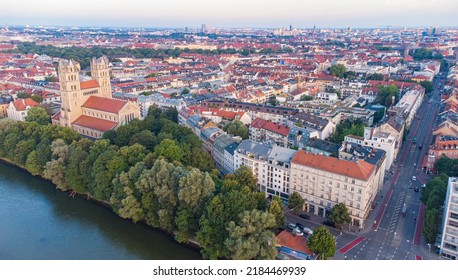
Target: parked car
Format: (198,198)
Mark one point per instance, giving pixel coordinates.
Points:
(304,216)
(291,227)
(307,231)
(329,223)
(298,232)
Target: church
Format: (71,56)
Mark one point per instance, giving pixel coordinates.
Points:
(87,106)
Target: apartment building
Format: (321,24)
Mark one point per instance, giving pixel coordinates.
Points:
(271,165)
(375,138)
(449,242)
(325,181)
(263,130)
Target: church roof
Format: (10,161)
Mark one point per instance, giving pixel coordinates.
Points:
(104,104)
(89,84)
(94,123)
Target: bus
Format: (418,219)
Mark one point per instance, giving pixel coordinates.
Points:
(404,210)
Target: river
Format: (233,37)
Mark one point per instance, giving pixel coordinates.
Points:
(39,222)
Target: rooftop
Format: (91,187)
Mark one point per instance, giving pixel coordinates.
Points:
(359,170)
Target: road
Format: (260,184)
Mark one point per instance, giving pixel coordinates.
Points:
(390,234)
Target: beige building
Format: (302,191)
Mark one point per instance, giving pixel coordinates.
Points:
(325,181)
(3,109)
(88,106)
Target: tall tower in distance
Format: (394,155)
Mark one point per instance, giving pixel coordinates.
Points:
(70,88)
(101,73)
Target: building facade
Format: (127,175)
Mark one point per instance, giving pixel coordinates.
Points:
(449,242)
(88,106)
(325,181)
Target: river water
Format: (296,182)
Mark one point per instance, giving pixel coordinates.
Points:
(39,222)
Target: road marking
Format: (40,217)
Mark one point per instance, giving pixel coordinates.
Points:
(351,245)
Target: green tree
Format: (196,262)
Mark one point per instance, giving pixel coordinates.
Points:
(322,243)
(276,209)
(24,95)
(37,98)
(339,214)
(253,237)
(430,227)
(237,128)
(196,189)
(169,150)
(337,70)
(32,164)
(273,100)
(145,138)
(375,77)
(245,177)
(345,128)
(56,168)
(305,97)
(427,85)
(171,114)
(39,115)
(295,202)
(386,95)
(185,91)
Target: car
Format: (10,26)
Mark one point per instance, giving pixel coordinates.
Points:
(414,178)
(304,216)
(298,232)
(420,147)
(300,226)
(307,231)
(416,189)
(329,223)
(291,227)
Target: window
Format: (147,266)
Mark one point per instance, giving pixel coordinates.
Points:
(454,216)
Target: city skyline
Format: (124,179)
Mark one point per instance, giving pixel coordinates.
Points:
(237,13)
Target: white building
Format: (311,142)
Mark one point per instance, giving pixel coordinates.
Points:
(270,164)
(18,109)
(449,242)
(379,140)
(144,102)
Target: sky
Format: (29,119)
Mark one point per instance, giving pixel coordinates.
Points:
(231,13)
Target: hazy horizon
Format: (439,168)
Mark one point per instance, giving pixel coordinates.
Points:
(233,14)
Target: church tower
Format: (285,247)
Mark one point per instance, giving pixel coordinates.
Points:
(101,73)
(70,89)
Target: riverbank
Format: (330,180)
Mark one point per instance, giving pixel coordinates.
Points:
(192,244)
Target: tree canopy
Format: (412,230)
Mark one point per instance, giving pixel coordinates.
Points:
(345,128)
(337,70)
(237,128)
(339,214)
(39,115)
(322,243)
(295,202)
(385,97)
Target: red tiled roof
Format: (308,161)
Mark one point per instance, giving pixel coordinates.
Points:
(360,169)
(104,104)
(277,128)
(89,84)
(94,123)
(21,104)
(297,243)
(270,126)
